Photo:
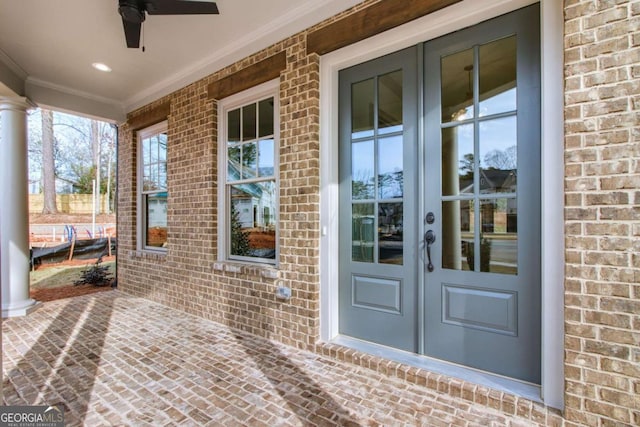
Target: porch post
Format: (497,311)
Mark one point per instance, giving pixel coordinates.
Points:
(14,211)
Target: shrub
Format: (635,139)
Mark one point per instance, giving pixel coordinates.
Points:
(97,275)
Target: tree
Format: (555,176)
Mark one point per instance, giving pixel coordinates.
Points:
(48,164)
(502,159)
(239,237)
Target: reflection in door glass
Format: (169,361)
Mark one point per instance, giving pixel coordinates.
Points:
(363,232)
(498,155)
(457,234)
(362,97)
(362,166)
(390,102)
(390,233)
(457,86)
(457,160)
(390,173)
(499,241)
(497,76)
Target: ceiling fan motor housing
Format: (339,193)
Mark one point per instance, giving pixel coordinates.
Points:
(131,11)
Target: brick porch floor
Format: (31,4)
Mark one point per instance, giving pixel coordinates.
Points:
(112,359)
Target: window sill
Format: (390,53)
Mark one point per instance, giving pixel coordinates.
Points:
(249,269)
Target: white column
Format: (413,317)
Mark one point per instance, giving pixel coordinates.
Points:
(14,210)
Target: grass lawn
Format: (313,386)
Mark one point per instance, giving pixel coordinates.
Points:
(64,275)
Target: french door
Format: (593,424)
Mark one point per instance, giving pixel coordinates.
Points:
(440,198)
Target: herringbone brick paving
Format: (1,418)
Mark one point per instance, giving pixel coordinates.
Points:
(113,359)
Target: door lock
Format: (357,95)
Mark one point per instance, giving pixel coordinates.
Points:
(430,218)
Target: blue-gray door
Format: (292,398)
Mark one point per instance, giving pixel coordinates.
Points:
(476,262)
(378,163)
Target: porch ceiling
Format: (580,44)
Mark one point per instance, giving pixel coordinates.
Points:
(47,48)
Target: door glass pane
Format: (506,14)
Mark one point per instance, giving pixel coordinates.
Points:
(265,157)
(499,242)
(457,234)
(233,126)
(362,96)
(390,233)
(390,173)
(249,122)
(363,232)
(498,155)
(390,102)
(457,86)
(265,117)
(249,158)
(362,167)
(498,76)
(457,160)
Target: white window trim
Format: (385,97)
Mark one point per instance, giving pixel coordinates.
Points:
(270,88)
(445,21)
(141,219)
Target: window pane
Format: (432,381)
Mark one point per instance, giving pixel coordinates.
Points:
(233,126)
(147,183)
(457,235)
(363,232)
(162,147)
(153,149)
(498,76)
(390,102)
(146,151)
(249,122)
(253,220)
(457,160)
(162,176)
(265,114)
(498,155)
(390,250)
(457,86)
(362,166)
(233,163)
(265,158)
(156,220)
(362,109)
(249,160)
(390,171)
(499,242)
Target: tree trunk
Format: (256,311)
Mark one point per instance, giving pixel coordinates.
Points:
(48,164)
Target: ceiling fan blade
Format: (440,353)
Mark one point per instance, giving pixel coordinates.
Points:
(132,33)
(181,7)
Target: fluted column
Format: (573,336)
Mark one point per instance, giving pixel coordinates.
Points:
(14,210)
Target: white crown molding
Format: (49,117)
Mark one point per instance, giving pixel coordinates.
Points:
(33,81)
(11,64)
(297,19)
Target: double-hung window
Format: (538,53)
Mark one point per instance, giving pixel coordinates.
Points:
(152,187)
(248,144)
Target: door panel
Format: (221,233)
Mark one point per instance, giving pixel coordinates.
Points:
(482,299)
(378,146)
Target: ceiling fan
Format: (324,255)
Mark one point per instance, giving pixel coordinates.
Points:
(133,13)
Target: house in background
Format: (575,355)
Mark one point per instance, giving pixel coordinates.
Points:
(365,134)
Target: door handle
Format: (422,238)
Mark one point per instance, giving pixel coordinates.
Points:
(429,239)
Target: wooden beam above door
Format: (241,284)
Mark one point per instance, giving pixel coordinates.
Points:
(368,22)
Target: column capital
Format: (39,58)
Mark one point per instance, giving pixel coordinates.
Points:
(16,103)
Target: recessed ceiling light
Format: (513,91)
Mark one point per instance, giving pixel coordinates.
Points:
(100,66)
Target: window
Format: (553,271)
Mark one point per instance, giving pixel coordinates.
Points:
(152,187)
(248,148)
